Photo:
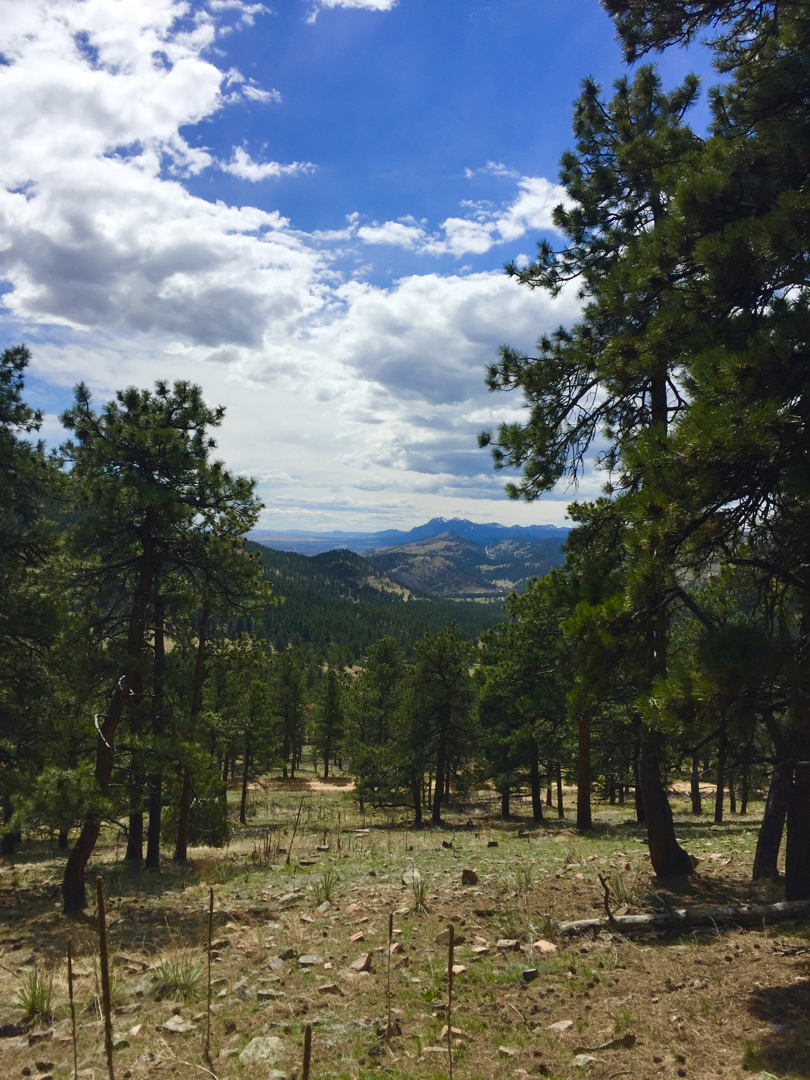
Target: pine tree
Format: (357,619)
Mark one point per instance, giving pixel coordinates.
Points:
(151,504)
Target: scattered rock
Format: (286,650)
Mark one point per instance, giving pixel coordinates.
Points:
(506,1051)
(447,845)
(263,1050)
(459,969)
(276,964)
(508,945)
(324,907)
(454,1032)
(561,1025)
(286,954)
(359,936)
(178,1026)
(530,974)
(469,877)
(270,995)
(492,843)
(362,963)
(545,946)
(582,1061)
(330,988)
(310,960)
(443,937)
(39,1036)
(411,876)
(241,989)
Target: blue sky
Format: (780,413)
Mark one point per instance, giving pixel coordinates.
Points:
(305,207)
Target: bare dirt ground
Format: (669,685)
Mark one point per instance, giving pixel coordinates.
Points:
(290,940)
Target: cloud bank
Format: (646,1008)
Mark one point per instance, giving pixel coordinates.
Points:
(354,404)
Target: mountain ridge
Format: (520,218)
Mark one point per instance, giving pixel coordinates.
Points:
(314,543)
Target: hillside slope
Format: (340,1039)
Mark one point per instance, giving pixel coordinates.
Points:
(451,565)
(336,604)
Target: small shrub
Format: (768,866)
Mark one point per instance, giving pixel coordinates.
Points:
(522,876)
(117,988)
(546,927)
(35,995)
(179,976)
(510,923)
(325,885)
(752,1059)
(622,1021)
(419,890)
(624,889)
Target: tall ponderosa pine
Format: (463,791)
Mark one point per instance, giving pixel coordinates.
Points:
(610,377)
(150,503)
(28,606)
(445,701)
(732,481)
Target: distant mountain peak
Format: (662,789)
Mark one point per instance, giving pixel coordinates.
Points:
(311,543)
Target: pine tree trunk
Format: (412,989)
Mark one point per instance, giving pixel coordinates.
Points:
(732,793)
(667,856)
(560,807)
(550,789)
(152,861)
(584,820)
(744,788)
(641,815)
(158,729)
(721,778)
(62,842)
(417,802)
(797,846)
(134,852)
(438,789)
(74,893)
(10,836)
(505,792)
(769,839)
(694,786)
(245,774)
(534,780)
(184,816)
(187,788)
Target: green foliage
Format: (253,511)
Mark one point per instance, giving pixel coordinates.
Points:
(35,995)
(179,976)
(325,885)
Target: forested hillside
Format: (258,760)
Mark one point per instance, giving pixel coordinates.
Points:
(335,605)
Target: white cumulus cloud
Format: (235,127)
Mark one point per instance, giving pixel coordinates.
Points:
(243,166)
(475,234)
(256,94)
(117,274)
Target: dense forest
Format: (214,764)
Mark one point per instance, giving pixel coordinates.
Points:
(143,661)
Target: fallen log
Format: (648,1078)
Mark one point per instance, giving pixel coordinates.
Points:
(687,919)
